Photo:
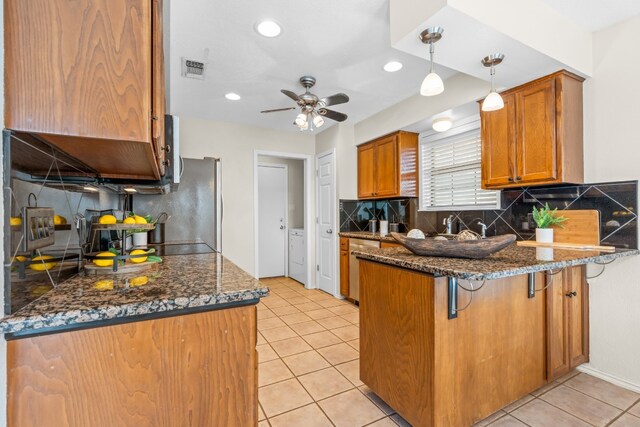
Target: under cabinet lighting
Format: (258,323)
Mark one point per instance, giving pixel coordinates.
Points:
(130,190)
(89,188)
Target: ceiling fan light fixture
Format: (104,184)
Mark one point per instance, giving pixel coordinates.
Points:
(301,119)
(392,66)
(432,84)
(442,124)
(268,29)
(317,120)
(493,101)
(231,96)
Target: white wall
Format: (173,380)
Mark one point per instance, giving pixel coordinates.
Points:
(612,152)
(235,145)
(295,188)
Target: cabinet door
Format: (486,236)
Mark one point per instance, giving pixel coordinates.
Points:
(79,68)
(578,312)
(386,167)
(557,326)
(344,273)
(536,152)
(498,145)
(366,164)
(158,86)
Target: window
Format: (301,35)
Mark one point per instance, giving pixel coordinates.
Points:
(450,176)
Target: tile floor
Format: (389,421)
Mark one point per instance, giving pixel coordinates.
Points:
(309,374)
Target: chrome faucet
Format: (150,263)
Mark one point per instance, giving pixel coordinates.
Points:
(483,228)
(449,223)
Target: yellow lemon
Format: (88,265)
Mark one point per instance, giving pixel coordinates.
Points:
(129,220)
(140,220)
(104,285)
(101,262)
(138,281)
(107,219)
(15,220)
(21,258)
(138,252)
(59,220)
(40,266)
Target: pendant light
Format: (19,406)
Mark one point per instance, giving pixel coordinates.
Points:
(493,101)
(301,119)
(432,84)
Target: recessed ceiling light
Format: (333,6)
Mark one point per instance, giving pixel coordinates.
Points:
(393,66)
(232,96)
(268,29)
(442,124)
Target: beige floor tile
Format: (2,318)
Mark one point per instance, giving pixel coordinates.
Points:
(261,415)
(338,353)
(352,318)
(399,420)
(298,300)
(351,370)
(580,405)
(626,420)
(263,423)
(319,314)
(273,322)
(306,328)
(266,353)
(602,390)
(292,319)
(287,309)
(324,383)
(278,334)
(333,322)
(347,333)
(309,306)
(508,421)
(490,419)
(272,372)
(567,376)
(388,410)
(538,413)
(307,416)
(321,339)
(539,392)
(385,422)
(343,310)
(290,346)
(266,314)
(518,403)
(288,293)
(350,409)
(306,362)
(282,397)
(275,301)
(261,339)
(320,296)
(332,302)
(635,410)
(355,344)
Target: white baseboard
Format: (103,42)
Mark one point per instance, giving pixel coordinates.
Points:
(609,378)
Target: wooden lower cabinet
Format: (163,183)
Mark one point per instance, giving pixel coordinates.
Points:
(436,371)
(389,245)
(196,369)
(344,266)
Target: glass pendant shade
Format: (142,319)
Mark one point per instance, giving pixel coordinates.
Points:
(492,102)
(431,85)
(318,120)
(301,119)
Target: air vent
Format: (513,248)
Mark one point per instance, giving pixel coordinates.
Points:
(193,69)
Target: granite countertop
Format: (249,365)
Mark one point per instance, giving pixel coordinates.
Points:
(367,235)
(180,283)
(511,261)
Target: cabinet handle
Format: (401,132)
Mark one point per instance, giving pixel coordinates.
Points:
(518,178)
(571,294)
(154,117)
(510,179)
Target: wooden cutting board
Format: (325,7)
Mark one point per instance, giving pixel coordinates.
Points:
(581,227)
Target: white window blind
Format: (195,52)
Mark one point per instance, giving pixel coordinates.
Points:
(450,176)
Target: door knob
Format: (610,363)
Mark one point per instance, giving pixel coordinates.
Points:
(571,294)
(282,227)
(329,231)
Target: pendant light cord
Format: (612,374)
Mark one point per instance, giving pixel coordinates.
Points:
(431,52)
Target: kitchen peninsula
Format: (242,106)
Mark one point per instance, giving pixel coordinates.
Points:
(180,347)
(447,342)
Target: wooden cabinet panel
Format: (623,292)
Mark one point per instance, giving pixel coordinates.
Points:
(389,245)
(158,86)
(366,174)
(344,273)
(578,339)
(557,327)
(198,369)
(499,145)
(386,167)
(536,128)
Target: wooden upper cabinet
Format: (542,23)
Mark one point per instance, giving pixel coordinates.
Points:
(88,77)
(536,138)
(388,167)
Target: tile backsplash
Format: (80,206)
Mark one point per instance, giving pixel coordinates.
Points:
(616,201)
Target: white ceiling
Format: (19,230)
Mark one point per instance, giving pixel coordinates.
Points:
(344,44)
(595,15)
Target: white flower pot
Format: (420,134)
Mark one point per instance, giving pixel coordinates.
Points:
(140,239)
(544,235)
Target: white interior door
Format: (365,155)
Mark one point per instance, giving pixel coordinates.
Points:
(272,220)
(326,224)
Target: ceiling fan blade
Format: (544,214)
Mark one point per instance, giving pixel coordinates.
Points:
(278,109)
(333,115)
(338,98)
(291,95)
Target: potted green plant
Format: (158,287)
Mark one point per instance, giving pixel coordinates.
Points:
(545,218)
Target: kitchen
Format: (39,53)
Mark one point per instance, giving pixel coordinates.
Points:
(603,54)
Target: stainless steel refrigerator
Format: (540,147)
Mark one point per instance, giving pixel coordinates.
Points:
(196,209)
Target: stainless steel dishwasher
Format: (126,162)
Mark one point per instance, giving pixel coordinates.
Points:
(354,264)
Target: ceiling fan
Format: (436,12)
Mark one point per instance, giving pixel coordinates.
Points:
(312,108)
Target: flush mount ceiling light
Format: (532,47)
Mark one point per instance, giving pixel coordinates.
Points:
(493,101)
(442,124)
(432,84)
(392,66)
(268,29)
(232,96)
